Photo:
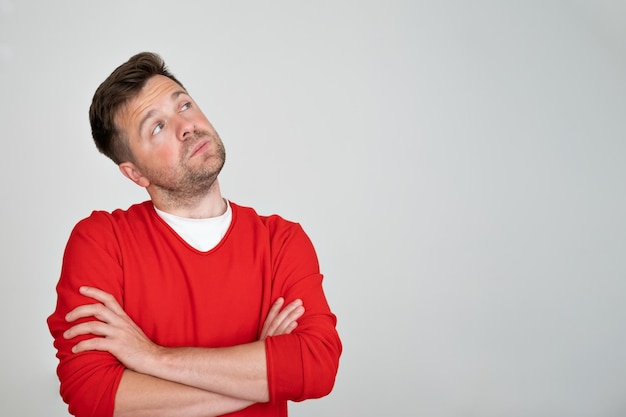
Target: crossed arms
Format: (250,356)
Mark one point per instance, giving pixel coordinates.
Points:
(110,364)
(189,381)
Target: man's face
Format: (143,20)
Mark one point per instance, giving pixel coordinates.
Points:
(174,146)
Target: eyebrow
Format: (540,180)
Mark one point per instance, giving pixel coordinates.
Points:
(152,112)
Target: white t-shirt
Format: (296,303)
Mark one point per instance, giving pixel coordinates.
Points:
(202,234)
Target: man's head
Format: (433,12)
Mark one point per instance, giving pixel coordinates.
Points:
(124,84)
(148,124)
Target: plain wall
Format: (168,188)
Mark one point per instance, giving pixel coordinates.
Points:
(459,166)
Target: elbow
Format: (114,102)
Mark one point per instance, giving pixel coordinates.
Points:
(328,383)
(320,379)
(89,390)
(323,381)
(302,366)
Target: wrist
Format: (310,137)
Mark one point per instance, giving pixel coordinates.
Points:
(153,360)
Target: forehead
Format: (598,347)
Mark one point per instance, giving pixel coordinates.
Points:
(157,90)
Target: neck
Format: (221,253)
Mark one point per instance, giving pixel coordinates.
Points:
(198,205)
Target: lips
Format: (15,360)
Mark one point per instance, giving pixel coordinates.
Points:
(199,148)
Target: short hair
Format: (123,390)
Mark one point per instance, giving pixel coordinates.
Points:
(124,84)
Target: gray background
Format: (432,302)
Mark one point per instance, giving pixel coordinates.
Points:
(459,166)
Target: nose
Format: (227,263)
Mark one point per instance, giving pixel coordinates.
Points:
(185,129)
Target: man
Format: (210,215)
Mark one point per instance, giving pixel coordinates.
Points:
(186,304)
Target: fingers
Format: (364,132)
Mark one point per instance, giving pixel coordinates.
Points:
(282,321)
(286,320)
(105,298)
(99,311)
(112,330)
(106,312)
(96,343)
(96,328)
(271,316)
(100,327)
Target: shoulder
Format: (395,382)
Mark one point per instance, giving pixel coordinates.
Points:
(284,236)
(101,220)
(273,223)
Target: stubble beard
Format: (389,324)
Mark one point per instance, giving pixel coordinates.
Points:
(192,183)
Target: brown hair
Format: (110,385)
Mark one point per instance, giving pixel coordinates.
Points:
(120,87)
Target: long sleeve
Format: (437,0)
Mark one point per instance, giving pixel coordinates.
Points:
(89,380)
(304,364)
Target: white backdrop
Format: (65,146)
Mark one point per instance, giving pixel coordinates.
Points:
(459,166)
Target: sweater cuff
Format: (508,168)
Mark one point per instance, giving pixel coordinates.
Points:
(284,367)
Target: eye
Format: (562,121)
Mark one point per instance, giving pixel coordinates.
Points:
(157,129)
(186,106)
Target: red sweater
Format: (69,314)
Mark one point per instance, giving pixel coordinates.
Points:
(180,296)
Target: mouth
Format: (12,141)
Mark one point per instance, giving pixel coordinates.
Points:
(199,148)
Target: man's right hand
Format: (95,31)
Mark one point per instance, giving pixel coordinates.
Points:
(283,321)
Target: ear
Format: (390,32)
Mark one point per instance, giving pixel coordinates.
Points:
(130,171)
